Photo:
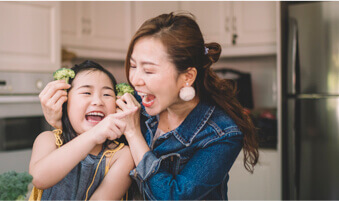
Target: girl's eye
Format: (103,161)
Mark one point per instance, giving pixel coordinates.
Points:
(132,66)
(86,93)
(107,95)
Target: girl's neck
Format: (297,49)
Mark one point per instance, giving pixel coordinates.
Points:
(172,117)
(96,150)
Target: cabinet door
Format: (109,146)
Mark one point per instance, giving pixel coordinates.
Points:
(213,19)
(143,11)
(70,22)
(107,25)
(29,40)
(263,184)
(254,23)
(96,29)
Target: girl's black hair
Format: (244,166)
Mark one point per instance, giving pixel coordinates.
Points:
(68,131)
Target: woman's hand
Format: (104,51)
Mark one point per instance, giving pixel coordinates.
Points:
(52,97)
(127,103)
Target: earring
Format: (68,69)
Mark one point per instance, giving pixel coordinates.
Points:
(187,93)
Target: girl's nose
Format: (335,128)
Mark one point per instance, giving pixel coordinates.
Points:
(97,100)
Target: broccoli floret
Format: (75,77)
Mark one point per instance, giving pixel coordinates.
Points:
(63,74)
(13,185)
(123,88)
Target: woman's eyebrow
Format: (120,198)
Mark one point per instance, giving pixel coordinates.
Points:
(145,62)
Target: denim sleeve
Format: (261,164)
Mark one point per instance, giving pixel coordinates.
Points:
(203,172)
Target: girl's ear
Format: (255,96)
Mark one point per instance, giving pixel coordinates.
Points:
(190,75)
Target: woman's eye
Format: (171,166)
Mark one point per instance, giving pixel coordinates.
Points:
(107,95)
(86,93)
(132,66)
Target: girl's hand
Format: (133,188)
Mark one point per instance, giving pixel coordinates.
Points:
(111,127)
(127,103)
(52,97)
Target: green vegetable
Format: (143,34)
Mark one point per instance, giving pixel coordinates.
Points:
(123,88)
(63,74)
(13,185)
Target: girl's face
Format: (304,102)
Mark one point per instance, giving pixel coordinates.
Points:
(90,100)
(154,76)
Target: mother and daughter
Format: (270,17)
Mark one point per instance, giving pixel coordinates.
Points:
(184,126)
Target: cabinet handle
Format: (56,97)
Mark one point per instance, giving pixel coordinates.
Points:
(226,24)
(234,39)
(234,24)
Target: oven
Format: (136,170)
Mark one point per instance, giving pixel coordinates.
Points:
(21,116)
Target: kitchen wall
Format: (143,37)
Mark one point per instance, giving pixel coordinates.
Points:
(262,69)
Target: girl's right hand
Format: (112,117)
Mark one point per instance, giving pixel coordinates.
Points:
(111,127)
(52,98)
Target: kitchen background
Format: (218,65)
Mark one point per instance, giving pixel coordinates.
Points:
(37,38)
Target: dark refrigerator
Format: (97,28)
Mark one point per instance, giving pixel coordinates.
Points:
(310,101)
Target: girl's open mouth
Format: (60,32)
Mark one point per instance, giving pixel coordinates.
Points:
(95,117)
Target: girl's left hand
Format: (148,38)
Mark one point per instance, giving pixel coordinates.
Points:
(127,102)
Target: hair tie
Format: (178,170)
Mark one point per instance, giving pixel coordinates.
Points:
(206,50)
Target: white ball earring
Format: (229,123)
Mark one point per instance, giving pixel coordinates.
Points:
(187,93)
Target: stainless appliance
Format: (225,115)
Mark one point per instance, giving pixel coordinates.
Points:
(21,116)
(311,101)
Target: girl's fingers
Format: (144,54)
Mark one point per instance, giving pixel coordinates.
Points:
(130,100)
(121,104)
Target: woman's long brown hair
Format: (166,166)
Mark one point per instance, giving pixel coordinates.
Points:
(182,37)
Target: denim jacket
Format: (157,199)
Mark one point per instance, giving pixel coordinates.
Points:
(191,162)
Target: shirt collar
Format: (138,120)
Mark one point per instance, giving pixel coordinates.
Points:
(193,123)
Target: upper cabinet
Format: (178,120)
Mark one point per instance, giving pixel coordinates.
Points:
(144,10)
(30,36)
(104,29)
(96,29)
(241,28)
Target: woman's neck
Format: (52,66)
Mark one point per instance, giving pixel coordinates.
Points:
(172,117)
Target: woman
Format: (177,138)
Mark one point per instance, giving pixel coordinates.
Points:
(191,128)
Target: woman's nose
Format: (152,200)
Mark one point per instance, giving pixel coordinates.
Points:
(136,79)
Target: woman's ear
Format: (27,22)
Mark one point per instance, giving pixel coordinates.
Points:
(190,75)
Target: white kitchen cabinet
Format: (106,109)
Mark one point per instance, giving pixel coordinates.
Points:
(96,29)
(263,184)
(241,28)
(30,36)
(143,11)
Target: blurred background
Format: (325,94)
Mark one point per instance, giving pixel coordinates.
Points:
(259,53)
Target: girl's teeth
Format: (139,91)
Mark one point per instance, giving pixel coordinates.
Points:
(96,114)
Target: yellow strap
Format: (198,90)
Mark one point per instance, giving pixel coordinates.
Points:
(57,133)
(96,170)
(37,193)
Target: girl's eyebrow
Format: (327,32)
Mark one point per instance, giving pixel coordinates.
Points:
(90,86)
(107,87)
(85,86)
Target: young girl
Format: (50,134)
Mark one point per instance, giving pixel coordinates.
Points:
(83,163)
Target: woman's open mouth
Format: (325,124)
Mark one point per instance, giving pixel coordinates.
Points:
(95,117)
(147,99)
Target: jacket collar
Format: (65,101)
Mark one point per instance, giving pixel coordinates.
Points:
(193,123)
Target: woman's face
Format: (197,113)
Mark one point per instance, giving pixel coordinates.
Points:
(154,76)
(90,100)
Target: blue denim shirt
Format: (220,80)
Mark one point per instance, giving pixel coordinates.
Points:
(191,162)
